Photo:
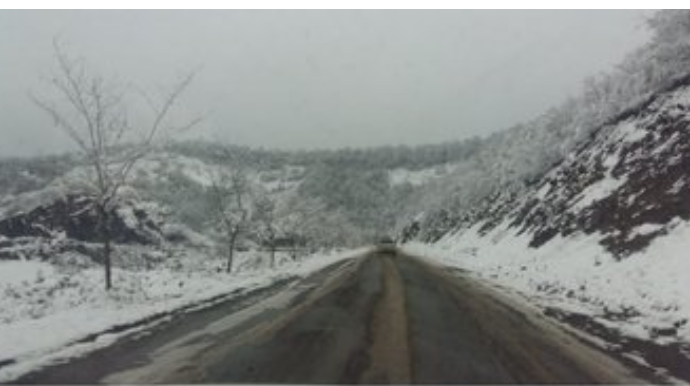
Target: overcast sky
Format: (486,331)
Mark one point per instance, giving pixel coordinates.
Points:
(308,79)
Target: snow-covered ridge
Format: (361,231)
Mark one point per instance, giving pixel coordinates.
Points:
(631,175)
(601,237)
(400,176)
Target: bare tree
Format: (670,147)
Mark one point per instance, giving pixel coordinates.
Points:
(298,217)
(93,112)
(264,214)
(228,191)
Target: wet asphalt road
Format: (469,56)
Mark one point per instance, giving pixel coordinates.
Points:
(379,318)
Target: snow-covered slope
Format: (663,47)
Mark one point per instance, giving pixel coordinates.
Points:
(601,239)
(596,237)
(629,183)
(626,185)
(166,258)
(51,313)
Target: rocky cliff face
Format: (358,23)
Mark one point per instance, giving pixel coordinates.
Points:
(629,182)
(74,216)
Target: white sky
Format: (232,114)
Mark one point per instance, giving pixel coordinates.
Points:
(306,79)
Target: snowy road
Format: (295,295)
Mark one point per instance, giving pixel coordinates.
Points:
(380,318)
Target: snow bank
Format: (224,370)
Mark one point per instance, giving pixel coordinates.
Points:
(640,295)
(44,308)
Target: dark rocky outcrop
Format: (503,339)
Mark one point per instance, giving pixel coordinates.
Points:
(628,182)
(74,215)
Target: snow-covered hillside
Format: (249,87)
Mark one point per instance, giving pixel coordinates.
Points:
(627,184)
(599,241)
(49,312)
(596,237)
(167,254)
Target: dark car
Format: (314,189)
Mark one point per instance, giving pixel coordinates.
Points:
(386,245)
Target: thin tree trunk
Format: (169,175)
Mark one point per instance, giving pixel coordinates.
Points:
(104,223)
(108,267)
(231,251)
(273,255)
(294,249)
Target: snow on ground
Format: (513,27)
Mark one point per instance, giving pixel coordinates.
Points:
(630,132)
(597,191)
(418,177)
(45,309)
(640,295)
(26,202)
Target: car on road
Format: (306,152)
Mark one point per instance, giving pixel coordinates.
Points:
(386,245)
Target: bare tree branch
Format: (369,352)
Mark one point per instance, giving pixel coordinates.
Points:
(94,114)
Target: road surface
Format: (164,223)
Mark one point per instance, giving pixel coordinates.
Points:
(379,318)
